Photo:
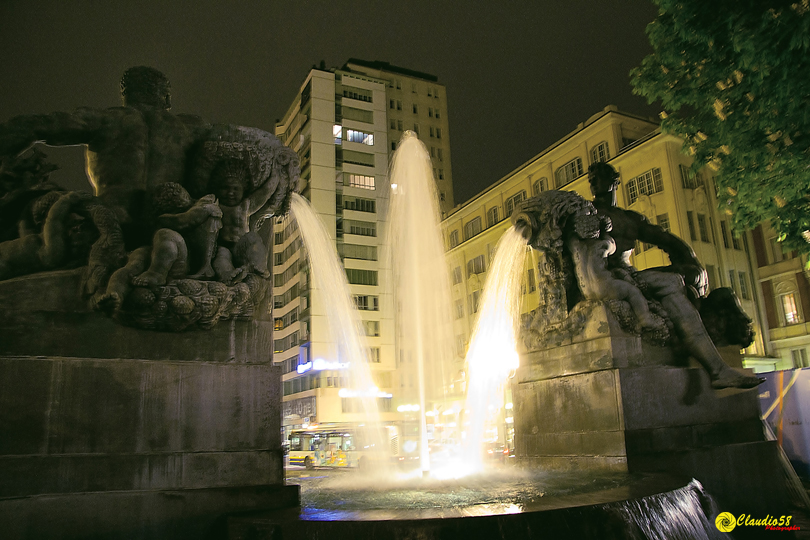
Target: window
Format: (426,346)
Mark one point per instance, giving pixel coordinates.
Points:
(353,135)
(359,115)
(399,105)
(645,184)
(366,302)
(430,109)
(391,104)
(374,355)
(365,253)
(568,172)
(432,132)
(393,124)
(663,221)
(399,84)
(724,233)
(357,93)
(436,112)
(399,125)
(454,239)
(415,109)
(690,220)
(510,203)
(337,131)
(704,230)
(777,255)
(492,216)
(393,146)
(372,328)
(360,205)
(735,241)
(471,228)
(474,300)
(461,345)
(360,228)
(789,309)
(799,357)
(531,281)
(540,185)
(358,158)
(732,282)
(744,294)
(441,174)
(438,133)
(456,275)
(440,153)
(459,309)
(600,152)
(361,277)
(689,179)
(476,265)
(358,181)
(416,128)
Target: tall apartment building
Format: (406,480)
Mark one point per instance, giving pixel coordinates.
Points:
(344,124)
(655,181)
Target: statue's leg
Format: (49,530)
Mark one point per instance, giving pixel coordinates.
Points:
(637,301)
(120,281)
(169,256)
(669,288)
(206,243)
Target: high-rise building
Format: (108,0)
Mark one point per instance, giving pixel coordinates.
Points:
(344,124)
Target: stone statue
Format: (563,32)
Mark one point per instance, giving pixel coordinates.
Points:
(184,197)
(567,231)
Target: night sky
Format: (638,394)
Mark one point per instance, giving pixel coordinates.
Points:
(519,75)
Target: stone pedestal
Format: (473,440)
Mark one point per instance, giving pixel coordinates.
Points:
(115,432)
(604,400)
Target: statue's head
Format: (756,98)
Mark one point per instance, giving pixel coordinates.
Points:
(603,179)
(142,85)
(229,180)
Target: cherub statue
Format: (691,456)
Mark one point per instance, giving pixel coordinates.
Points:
(240,249)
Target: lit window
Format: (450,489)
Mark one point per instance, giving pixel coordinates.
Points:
(353,135)
(337,132)
(790,310)
(359,181)
(600,152)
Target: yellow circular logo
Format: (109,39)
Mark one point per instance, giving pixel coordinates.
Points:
(725,522)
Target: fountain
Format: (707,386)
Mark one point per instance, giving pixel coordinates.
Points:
(468,499)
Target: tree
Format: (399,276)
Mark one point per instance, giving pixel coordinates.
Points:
(733,77)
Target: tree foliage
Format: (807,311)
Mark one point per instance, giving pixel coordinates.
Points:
(733,77)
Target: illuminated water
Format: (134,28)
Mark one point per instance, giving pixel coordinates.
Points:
(345,326)
(419,275)
(492,355)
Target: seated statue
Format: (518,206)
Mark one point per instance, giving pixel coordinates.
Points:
(564,228)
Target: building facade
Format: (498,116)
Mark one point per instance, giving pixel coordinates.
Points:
(655,181)
(344,124)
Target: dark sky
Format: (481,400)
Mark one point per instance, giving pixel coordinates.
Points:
(519,75)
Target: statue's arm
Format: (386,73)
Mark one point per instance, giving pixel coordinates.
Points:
(681,255)
(204,208)
(56,129)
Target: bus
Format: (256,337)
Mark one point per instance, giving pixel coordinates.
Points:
(347,446)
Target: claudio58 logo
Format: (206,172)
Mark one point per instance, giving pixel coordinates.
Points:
(726,522)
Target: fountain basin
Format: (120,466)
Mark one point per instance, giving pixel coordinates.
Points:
(503,503)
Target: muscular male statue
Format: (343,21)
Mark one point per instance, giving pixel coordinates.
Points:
(671,285)
(129,149)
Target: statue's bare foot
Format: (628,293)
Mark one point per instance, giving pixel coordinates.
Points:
(149,278)
(730,378)
(649,322)
(205,273)
(236,275)
(109,302)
